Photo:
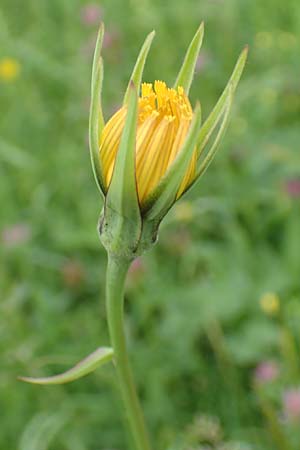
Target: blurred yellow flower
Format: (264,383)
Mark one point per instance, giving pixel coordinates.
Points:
(270,303)
(164,118)
(9,69)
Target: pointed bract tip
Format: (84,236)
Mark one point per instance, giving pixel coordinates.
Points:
(245,50)
(101,27)
(200,30)
(26,379)
(150,38)
(244,55)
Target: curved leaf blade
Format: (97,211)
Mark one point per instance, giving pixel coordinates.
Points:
(213,150)
(215,115)
(136,76)
(186,73)
(96,121)
(97,61)
(96,359)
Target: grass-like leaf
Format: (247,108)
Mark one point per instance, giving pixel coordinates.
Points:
(84,367)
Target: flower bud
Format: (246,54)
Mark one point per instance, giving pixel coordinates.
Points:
(164,119)
(153,149)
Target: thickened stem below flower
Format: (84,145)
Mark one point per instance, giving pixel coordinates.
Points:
(116,275)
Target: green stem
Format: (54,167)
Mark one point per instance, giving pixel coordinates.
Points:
(116,275)
(276,428)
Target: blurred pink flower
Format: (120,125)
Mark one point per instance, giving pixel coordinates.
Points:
(91,14)
(202,61)
(291,404)
(136,270)
(111,38)
(16,234)
(292,187)
(266,371)
(136,273)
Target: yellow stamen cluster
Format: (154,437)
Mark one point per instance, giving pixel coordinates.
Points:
(164,118)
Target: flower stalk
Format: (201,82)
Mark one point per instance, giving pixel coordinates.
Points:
(116,274)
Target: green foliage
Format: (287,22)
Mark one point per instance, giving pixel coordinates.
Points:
(195,326)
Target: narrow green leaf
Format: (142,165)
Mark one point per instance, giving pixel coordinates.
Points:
(122,194)
(186,73)
(164,194)
(84,367)
(97,82)
(97,52)
(213,150)
(136,76)
(96,122)
(211,122)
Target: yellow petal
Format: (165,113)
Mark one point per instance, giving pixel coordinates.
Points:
(164,118)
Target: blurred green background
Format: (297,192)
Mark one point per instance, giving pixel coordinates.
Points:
(213,311)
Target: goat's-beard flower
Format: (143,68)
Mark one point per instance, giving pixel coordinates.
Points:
(153,149)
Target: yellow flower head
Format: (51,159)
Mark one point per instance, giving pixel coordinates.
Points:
(270,303)
(153,149)
(9,69)
(164,118)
